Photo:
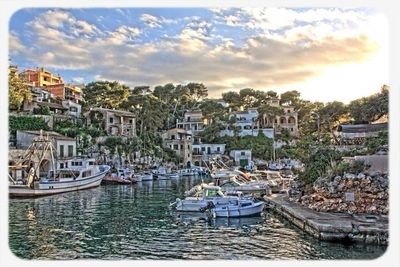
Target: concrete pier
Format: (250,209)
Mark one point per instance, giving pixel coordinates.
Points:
(339,227)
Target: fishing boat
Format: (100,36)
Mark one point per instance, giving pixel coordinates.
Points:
(64,175)
(213,199)
(122,176)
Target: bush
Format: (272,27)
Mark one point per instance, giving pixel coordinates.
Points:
(26,123)
(354,167)
(320,163)
(41,111)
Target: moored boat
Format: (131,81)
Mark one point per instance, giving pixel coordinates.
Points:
(122,176)
(213,199)
(64,175)
(250,187)
(145,176)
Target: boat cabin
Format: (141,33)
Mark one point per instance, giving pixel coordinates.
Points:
(212,191)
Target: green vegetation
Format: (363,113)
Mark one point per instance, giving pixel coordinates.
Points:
(260,146)
(26,123)
(159,109)
(42,110)
(18,92)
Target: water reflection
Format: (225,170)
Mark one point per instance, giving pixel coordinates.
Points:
(134,222)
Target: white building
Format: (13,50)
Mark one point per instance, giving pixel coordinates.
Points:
(246,124)
(207,151)
(241,157)
(65,146)
(192,121)
(74,109)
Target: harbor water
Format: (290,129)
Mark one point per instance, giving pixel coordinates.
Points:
(134,222)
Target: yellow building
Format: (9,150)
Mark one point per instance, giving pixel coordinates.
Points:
(40,77)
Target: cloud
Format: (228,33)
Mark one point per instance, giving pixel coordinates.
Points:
(264,58)
(15,43)
(78,80)
(156,22)
(151,21)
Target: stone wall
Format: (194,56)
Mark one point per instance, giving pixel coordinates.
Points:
(362,193)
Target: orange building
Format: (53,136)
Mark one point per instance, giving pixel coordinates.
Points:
(40,77)
(65,91)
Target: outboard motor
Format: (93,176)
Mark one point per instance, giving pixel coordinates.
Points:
(210,205)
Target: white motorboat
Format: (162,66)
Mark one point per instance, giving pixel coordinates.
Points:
(173,175)
(188,172)
(162,173)
(211,198)
(251,187)
(64,176)
(144,176)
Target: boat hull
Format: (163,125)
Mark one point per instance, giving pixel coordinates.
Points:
(163,177)
(223,207)
(232,212)
(51,188)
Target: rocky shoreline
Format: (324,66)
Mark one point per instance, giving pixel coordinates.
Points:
(362,193)
(328,226)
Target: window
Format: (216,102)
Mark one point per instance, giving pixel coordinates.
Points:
(73,109)
(188,146)
(218,149)
(182,147)
(176,147)
(203,149)
(291,129)
(70,151)
(173,137)
(111,120)
(62,151)
(242,153)
(130,121)
(61,165)
(188,119)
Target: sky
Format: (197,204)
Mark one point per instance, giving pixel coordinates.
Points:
(326,54)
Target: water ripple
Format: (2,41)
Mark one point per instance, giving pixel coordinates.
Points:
(133,222)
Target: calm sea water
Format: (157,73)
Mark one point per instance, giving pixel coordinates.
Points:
(134,222)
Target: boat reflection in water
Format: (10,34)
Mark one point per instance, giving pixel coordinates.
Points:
(187,218)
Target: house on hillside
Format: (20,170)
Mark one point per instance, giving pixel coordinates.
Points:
(192,121)
(113,122)
(181,141)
